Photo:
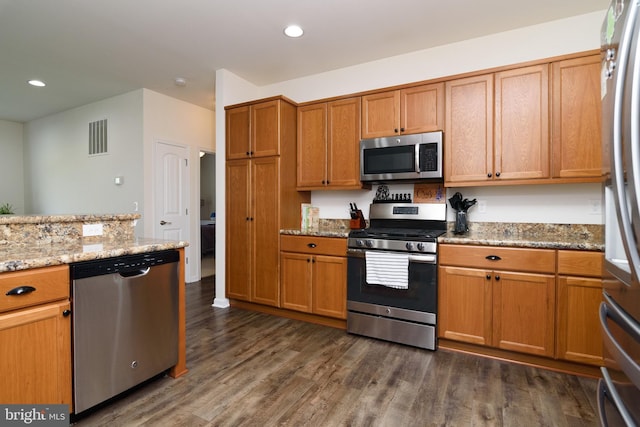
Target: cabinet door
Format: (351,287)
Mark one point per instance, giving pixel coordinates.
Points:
(312,146)
(522,123)
(265,129)
(343,143)
(577,119)
(238,220)
(381,114)
(464,305)
(265,231)
(578,335)
(296,281)
(469,129)
(238,143)
(35,349)
(422,108)
(330,286)
(523,312)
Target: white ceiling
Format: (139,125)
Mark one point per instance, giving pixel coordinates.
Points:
(87,50)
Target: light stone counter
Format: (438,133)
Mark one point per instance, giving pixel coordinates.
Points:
(35,241)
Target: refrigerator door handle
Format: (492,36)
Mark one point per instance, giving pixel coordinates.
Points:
(606,389)
(618,172)
(609,309)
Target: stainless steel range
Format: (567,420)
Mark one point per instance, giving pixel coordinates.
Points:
(392,276)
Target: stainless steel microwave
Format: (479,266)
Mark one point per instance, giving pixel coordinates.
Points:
(401,158)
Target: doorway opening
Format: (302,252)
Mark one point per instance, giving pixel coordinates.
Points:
(207,214)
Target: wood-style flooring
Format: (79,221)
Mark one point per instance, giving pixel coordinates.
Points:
(253,369)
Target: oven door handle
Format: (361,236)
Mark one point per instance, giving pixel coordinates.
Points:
(423,259)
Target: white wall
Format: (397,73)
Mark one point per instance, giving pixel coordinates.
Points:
(565,36)
(61,177)
(11,165)
(172,120)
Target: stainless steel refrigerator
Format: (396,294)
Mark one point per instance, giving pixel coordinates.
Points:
(619,388)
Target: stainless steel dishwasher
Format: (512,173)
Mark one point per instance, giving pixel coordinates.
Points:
(125,323)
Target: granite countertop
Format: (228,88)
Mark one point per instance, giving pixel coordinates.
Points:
(23,257)
(33,241)
(586,237)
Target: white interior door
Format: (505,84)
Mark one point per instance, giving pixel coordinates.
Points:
(171,192)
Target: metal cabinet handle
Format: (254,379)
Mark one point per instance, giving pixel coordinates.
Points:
(488,277)
(497,278)
(489,175)
(21,290)
(497,174)
(66,313)
(163,222)
(493,258)
(311,245)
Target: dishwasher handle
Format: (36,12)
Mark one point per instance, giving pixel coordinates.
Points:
(135,273)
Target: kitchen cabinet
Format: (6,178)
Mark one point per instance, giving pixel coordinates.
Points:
(314,275)
(468,155)
(498,297)
(35,337)
(261,200)
(403,111)
(578,336)
(252,130)
(497,126)
(576,118)
(328,145)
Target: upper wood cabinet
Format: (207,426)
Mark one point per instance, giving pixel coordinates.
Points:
(468,135)
(521,128)
(404,111)
(253,131)
(576,118)
(328,145)
(513,144)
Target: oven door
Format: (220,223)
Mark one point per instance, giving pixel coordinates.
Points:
(421,294)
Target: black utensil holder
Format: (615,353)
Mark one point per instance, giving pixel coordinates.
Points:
(461,223)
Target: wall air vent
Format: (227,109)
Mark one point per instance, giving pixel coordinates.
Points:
(98,137)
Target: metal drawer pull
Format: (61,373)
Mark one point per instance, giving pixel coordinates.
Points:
(493,258)
(20,290)
(311,245)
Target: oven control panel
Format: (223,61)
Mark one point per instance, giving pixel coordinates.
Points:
(392,245)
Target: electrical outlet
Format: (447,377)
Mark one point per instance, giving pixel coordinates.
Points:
(595,206)
(482,206)
(91,230)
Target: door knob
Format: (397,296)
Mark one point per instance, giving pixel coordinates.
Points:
(163,222)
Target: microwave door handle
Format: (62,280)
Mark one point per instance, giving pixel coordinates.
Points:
(618,180)
(416,158)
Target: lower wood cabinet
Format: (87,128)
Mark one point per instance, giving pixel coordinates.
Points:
(535,301)
(578,336)
(35,337)
(498,297)
(314,275)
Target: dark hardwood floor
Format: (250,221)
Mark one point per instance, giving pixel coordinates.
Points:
(253,369)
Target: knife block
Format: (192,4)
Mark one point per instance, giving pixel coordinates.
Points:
(358,223)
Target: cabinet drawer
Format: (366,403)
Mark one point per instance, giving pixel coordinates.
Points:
(515,259)
(580,263)
(314,245)
(50,283)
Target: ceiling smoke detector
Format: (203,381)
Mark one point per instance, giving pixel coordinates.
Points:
(180,81)
(38,83)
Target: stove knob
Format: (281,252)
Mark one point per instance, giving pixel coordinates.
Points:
(409,246)
(369,243)
(359,243)
(421,246)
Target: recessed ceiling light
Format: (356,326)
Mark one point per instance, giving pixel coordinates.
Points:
(293,31)
(38,83)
